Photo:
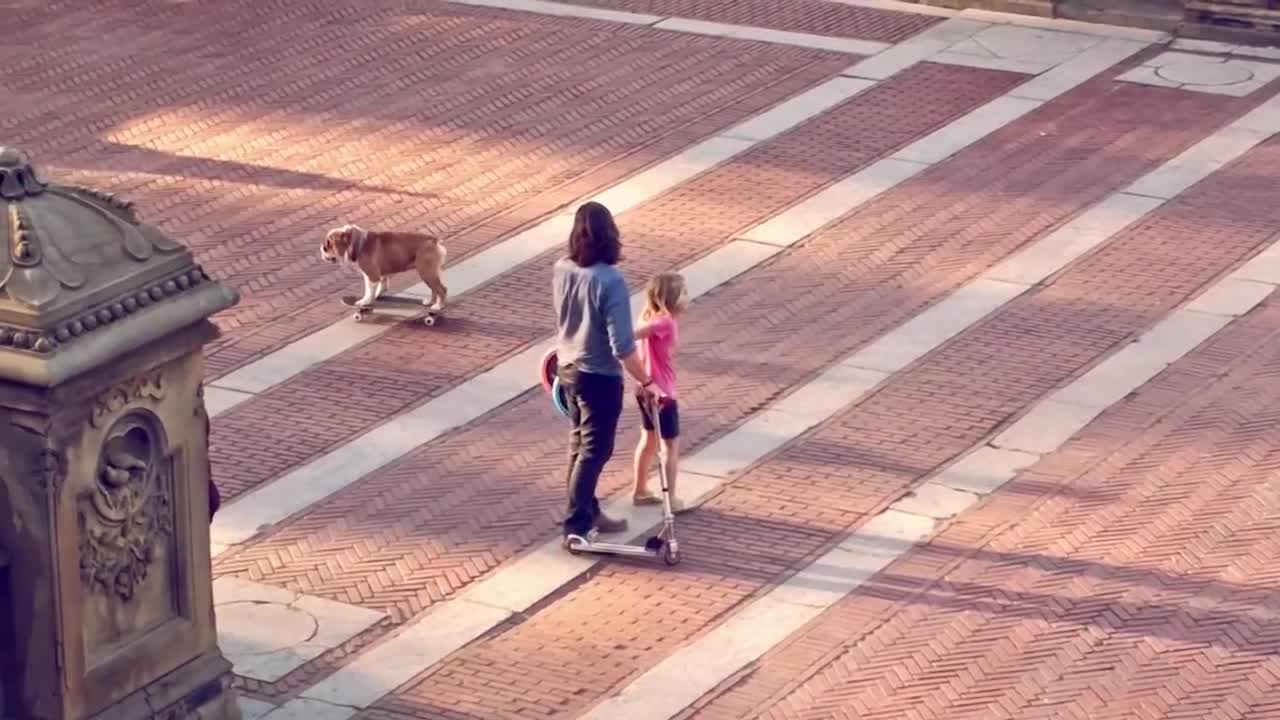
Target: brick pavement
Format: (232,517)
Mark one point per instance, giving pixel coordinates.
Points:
(819,17)
(600,633)
(413,533)
(1131,574)
(331,111)
(409,364)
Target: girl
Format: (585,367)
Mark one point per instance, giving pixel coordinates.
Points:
(657,333)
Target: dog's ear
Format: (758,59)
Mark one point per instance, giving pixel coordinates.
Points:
(349,234)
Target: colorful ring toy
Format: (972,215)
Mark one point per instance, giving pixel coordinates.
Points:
(547,369)
(558,398)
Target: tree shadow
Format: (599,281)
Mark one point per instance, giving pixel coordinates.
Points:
(1252,626)
(121,157)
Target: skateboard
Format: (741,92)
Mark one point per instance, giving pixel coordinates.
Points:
(432,317)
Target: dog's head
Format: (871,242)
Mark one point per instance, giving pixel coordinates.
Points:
(339,244)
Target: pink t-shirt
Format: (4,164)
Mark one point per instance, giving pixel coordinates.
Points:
(658,350)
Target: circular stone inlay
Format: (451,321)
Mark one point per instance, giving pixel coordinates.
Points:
(259,628)
(1203,73)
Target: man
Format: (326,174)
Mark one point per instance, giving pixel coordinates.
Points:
(594,343)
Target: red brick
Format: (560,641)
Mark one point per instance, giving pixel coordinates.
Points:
(820,17)
(498,486)
(1126,571)
(409,364)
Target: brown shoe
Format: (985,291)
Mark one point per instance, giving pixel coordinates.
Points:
(606,524)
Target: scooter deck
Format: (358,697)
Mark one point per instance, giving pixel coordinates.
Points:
(655,546)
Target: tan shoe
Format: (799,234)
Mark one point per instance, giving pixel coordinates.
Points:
(646,499)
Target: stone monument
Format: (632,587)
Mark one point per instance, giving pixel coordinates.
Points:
(106,608)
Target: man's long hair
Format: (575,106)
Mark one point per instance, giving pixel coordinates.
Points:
(594,238)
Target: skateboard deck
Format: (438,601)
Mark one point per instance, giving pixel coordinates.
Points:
(401,301)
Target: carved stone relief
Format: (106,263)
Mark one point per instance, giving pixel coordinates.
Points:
(128,510)
(146,386)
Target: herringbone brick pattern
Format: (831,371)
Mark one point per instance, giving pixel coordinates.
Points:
(1108,445)
(410,364)
(809,16)
(1133,574)
(624,618)
(469,124)
(416,531)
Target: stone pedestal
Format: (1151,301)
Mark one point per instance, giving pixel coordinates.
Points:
(104,507)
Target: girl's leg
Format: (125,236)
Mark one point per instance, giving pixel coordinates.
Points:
(671,448)
(645,452)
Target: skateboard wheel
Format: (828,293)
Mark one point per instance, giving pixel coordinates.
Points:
(429,320)
(359,317)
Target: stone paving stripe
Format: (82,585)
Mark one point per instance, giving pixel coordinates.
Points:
(852,46)
(251,709)
(1030,67)
(901,6)
(490,263)
(945,142)
(1209,46)
(267,632)
(1203,158)
(699,667)
(303,709)
(218,400)
(919,48)
(1155,37)
(1069,74)
(542,571)
(307,484)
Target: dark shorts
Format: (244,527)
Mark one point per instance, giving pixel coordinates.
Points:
(668,416)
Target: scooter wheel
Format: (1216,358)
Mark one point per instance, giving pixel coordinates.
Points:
(572,545)
(670,555)
(429,321)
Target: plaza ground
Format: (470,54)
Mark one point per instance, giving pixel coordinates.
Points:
(979,384)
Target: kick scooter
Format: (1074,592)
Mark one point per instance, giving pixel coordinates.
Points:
(664,543)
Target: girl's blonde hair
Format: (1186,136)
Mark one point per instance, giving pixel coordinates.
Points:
(662,294)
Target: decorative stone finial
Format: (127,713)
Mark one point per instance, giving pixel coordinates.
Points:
(18,178)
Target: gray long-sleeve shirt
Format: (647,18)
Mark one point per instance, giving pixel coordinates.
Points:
(593,316)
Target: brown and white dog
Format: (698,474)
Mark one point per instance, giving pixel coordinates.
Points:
(379,255)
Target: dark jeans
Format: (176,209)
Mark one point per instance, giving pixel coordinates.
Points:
(595,404)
